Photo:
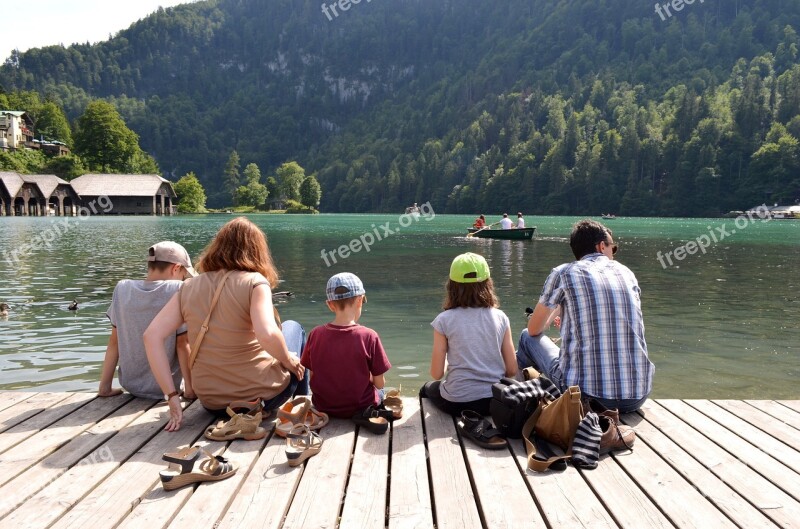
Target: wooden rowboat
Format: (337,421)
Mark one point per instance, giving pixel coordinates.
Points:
(514,234)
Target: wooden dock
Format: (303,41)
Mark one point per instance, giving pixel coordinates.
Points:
(73,460)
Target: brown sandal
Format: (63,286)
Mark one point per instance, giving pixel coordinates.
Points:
(393,402)
(241,425)
(212,468)
(299,411)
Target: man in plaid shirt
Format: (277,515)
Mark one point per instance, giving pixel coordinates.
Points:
(602,331)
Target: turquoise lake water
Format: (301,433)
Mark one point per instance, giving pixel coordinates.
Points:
(720,323)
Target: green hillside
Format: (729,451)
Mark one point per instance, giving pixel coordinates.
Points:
(558,107)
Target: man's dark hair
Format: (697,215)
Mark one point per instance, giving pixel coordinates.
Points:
(586,234)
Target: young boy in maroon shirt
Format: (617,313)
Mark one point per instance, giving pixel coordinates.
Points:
(347,360)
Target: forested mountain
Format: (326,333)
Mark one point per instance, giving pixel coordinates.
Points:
(548,106)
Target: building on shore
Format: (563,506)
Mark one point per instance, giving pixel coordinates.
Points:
(16,129)
(128,194)
(91,194)
(36,195)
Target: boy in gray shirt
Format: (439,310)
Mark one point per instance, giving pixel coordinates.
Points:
(133,306)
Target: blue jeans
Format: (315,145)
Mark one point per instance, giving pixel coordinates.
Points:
(541,353)
(295,337)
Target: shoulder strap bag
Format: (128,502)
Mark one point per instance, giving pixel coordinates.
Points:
(554,421)
(204,328)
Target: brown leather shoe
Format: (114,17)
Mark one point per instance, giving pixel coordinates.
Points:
(615,436)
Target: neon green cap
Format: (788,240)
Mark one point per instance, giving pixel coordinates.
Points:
(469,268)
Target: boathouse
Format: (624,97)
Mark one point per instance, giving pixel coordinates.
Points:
(129,194)
(36,195)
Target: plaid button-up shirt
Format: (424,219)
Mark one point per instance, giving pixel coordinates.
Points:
(602,331)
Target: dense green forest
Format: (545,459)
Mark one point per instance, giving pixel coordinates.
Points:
(545,106)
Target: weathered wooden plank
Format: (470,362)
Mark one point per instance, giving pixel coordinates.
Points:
(9,398)
(38,446)
(28,428)
(27,408)
(210,500)
(626,502)
(765,496)
(265,495)
(774,429)
(453,497)
(750,453)
(793,404)
(564,497)
(709,485)
(114,498)
(778,411)
(410,493)
(49,504)
(46,471)
(674,496)
(365,504)
(503,494)
(318,497)
(158,507)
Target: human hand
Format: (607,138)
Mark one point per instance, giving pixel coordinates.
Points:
(175,414)
(557,321)
(295,367)
(109,392)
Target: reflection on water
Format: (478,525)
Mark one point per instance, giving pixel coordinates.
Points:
(720,324)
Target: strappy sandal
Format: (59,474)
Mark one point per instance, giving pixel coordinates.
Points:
(299,411)
(374,419)
(473,426)
(240,426)
(212,468)
(301,443)
(393,402)
(247,407)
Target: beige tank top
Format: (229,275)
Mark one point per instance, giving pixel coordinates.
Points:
(230,365)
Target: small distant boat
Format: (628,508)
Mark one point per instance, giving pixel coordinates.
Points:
(608,216)
(525,234)
(413,210)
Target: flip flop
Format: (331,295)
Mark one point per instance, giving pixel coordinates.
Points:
(393,402)
(374,419)
(473,426)
(301,444)
(212,468)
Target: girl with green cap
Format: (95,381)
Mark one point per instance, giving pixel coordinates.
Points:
(472,338)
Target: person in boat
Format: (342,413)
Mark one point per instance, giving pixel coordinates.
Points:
(472,343)
(520,221)
(480,222)
(505,222)
(134,304)
(603,349)
(244,355)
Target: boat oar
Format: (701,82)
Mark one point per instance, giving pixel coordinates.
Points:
(484,228)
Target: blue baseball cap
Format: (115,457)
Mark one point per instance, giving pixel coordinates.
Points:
(344,286)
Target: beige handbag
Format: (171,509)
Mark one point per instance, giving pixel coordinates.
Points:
(554,421)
